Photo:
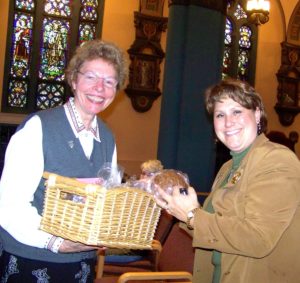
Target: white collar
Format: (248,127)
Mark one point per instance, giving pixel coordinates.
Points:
(76,121)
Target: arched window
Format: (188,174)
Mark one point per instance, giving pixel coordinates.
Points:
(239,59)
(41,38)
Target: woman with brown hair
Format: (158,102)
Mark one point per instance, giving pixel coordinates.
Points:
(248,228)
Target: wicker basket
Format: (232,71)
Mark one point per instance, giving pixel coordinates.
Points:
(93,215)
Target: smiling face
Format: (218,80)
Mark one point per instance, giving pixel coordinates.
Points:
(235,126)
(92,94)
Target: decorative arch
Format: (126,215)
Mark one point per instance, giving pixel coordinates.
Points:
(293,31)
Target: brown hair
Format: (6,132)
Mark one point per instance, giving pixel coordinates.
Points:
(98,49)
(239,91)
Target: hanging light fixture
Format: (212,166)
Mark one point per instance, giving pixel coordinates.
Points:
(258,11)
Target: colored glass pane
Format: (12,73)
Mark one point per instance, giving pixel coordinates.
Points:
(53,52)
(243,64)
(58,8)
(227,48)
(86,32)
(21,46)
(25,4)
(228,32)
(226,61)
(245,37)
(88,10)
(17,93)
(50,95)
(240,13)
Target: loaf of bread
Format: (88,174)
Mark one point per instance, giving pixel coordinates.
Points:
(153,176)
(167,179)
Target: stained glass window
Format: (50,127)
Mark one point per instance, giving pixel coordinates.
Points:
(227,49)
(86,32)
(25,5)
(58,8)
(43,35)
(89,10)
(88,18)
(239,56)
(239,12)
(54,48)
(244,52)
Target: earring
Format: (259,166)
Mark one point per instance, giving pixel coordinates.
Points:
(258,128)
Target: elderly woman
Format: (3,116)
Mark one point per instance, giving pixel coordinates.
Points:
(248,228)
(69,140)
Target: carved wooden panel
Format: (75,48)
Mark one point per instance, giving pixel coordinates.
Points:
(146,56)
(288,91)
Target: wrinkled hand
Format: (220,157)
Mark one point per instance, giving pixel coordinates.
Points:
(68,246)
(178,204)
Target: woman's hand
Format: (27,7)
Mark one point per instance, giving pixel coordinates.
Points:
(178,204)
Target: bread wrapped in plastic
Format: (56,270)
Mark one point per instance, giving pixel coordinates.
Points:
(153,176)
(167,179)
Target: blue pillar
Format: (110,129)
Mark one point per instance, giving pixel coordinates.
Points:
(193,62)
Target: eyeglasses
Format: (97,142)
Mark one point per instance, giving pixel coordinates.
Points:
(92,79)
